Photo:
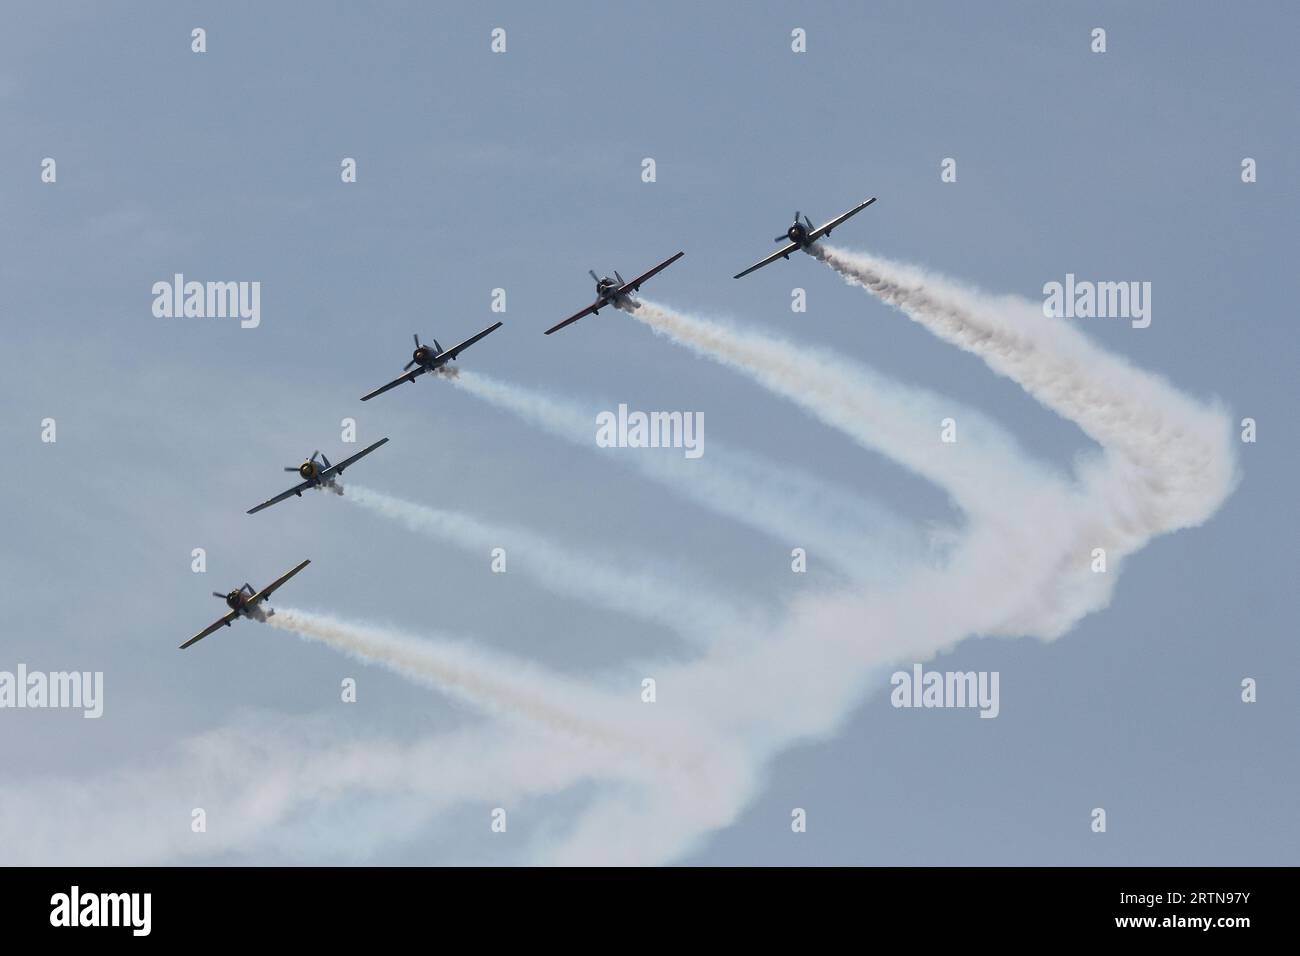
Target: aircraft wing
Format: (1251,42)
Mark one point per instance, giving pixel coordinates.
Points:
(296,489)
(338,467)
(266,592)
(635,284)
(210,628)
(826,229)
(576,316)
(782,253)
(406,377)
(457,349)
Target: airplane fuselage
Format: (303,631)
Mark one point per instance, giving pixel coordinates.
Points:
(431,359)
(798,234)
(311,470)
(236,600)
(239,601)
(608,294)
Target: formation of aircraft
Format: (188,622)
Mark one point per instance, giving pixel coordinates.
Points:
(801,235)
(614,291)
(246,602)
(316,474)
(427,359)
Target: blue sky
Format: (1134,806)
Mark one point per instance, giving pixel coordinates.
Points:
(522,171)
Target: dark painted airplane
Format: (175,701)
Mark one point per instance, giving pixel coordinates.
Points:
(244,601)
(801,235)
(428,359)
(316,474)
(614,291)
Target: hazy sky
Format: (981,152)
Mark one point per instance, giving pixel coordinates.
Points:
(521,171)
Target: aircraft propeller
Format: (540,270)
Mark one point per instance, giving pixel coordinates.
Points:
(408,365)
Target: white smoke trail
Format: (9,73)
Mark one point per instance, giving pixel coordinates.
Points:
(505,687)
(985,472)
(1167,465)
(1034,510)
(692,767)
(1128,411)
(687,765)
(800,682)
(259,776)
(271,783)
(1168,460)
(517,690)
(266,781)
(861,539)
(590,578)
